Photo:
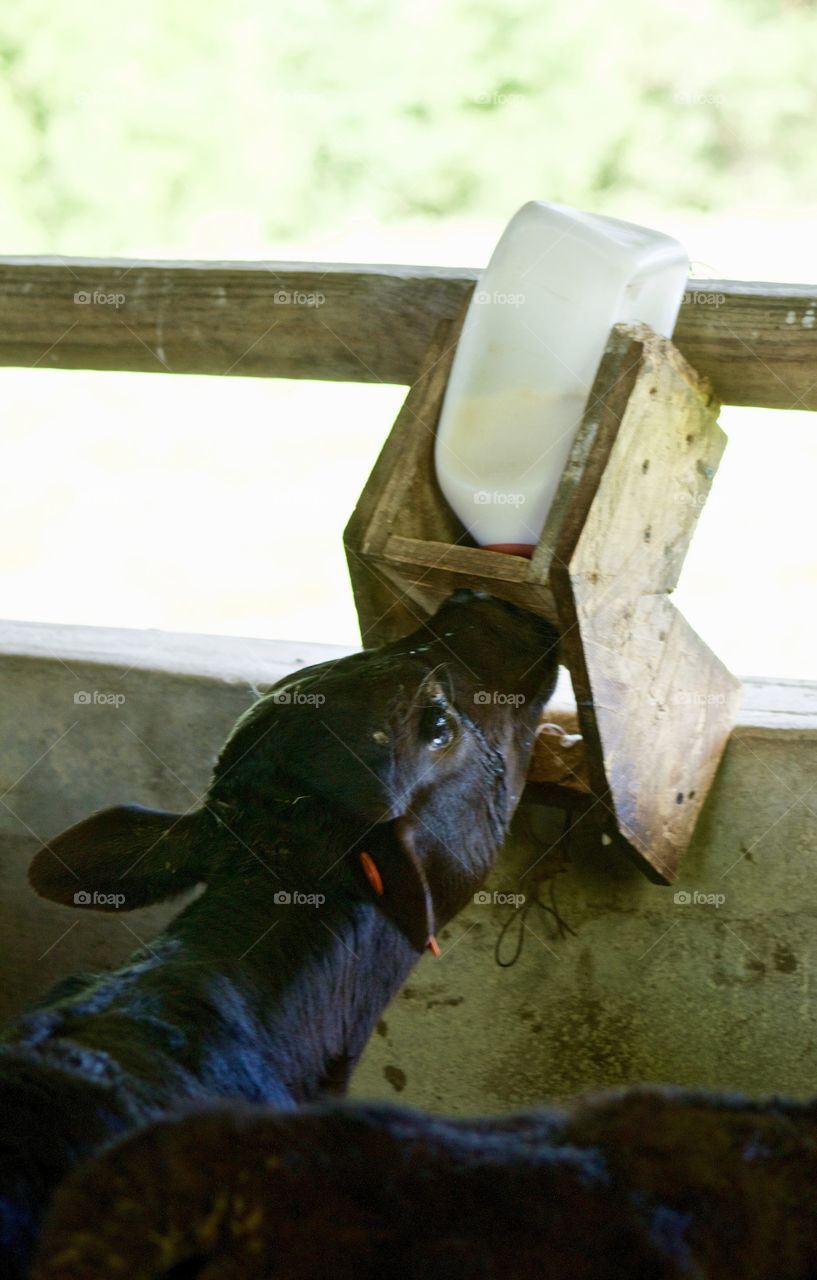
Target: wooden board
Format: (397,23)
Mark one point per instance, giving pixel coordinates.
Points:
(247,319)
(655,705)
(756,342)
(389,605)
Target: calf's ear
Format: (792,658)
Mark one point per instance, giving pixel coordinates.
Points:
(395,873)
(120,859)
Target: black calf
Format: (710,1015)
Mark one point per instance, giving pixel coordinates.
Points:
(352,812)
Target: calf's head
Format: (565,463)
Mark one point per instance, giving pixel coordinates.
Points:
(390,775)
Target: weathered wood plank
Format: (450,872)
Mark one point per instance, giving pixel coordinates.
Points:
(398,498)
(756,342)
(284,320)
(655,705)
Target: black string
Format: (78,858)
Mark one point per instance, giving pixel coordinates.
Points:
(520,914)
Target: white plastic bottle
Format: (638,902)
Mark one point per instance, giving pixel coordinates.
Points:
(530,348)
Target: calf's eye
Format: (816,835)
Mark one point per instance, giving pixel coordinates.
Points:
(437,727)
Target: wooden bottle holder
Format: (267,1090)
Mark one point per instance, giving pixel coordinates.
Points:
(655,705)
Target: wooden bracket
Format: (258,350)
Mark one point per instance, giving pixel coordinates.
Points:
(655,705)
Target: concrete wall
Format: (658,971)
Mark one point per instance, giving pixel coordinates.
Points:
(646,988)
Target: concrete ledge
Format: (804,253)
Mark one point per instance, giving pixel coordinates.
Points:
(768,703)
(225,658)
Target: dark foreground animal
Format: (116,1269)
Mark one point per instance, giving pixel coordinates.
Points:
(651,1184)
(352,812)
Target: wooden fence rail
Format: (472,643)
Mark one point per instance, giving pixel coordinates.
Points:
(757,342)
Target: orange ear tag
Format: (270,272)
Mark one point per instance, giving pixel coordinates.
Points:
(434,946)
(372,874)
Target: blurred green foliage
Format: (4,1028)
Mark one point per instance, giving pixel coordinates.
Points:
(123,125)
